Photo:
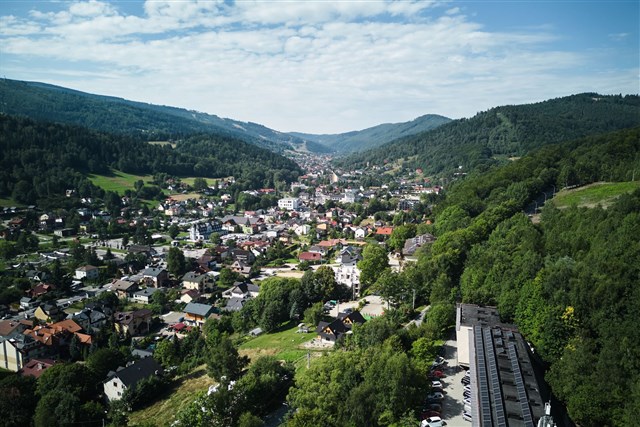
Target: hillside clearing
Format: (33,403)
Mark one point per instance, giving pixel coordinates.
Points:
(179,395)
(284,344)
(599,193)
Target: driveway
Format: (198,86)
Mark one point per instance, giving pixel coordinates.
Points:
(374,307)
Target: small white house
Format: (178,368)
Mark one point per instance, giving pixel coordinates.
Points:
(125,378)
(87,271)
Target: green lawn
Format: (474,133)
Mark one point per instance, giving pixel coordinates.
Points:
(118,181)
(8,203)
(284,344)
(180,394)
(591,195)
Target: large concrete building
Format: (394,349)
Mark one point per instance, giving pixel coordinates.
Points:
(504,388)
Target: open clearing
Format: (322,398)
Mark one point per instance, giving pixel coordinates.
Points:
(181,394)
(118,181)
(284,344)
(599,193)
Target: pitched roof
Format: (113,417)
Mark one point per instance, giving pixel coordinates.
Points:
(310,256)
(198,309)
(138,370)
(8,326)
(122,285)
(384,231)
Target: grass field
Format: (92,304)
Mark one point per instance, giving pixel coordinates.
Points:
(603,193)
(9,203)
(118,181)
(181,394)
(284,344)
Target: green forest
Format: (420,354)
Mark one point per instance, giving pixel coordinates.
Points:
(569,282)
(41,160)
(494,135)
(150,122)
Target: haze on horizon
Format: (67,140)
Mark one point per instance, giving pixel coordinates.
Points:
(325,66)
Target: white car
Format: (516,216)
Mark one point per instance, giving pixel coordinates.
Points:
(436,384)
(432,422)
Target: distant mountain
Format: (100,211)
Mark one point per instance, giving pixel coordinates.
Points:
(375,136)
(503,132)
(116,115)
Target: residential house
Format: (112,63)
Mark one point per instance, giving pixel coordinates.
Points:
(126,378)
(197,314)
(49,312)
(322,250)
(241,267)
(348,256)
(202,231)
(12,327)
(144,296)
(16,350)
(310,257)
(384,231)
(133,322)
(246,257)
(40,289)
(88,272)
(413,244)
(35,367)
(154,276)
(234,304)
(124,288)
(190,295)
(198,282)
(242,290)
(27,303)
(360,233)
(206,262)
(56,335)
(333,331)
(348,275)
(91,320)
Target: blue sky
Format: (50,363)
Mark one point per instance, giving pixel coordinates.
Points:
(325,66)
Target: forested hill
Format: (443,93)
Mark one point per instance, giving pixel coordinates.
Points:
(41,159)
(505,131)
(375,136)
(569,282)
(42,101)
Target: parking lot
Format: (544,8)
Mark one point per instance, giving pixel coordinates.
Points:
(452,405)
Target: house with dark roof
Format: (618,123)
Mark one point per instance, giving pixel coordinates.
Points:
(133,322)
(144,296)
(127,378)
(333,331)
(234,304)
(413,244)
(49,312)
(155,277)
(196,313)
(242,290)
(124,288)
(196,281)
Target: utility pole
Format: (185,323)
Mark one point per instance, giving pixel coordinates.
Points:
(308,359)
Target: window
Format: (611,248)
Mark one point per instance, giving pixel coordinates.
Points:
(115,384)
(119,394)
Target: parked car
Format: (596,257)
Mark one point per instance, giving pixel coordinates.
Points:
(466,394)
(432,407)
(432,422)
(437,373)
(436,384)
(430,413)
(467,416)
(465,380)
(435,395)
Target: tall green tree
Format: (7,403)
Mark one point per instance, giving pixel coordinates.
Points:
(374,262)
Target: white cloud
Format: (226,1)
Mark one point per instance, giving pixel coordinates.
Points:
(320,66)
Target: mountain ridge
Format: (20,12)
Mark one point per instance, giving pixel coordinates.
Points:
(368,138)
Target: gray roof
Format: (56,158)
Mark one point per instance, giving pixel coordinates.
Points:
(152,271)
(234,304)
(138,370)
(146,292)
(198,309)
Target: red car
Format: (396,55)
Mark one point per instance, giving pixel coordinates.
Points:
(437,374)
